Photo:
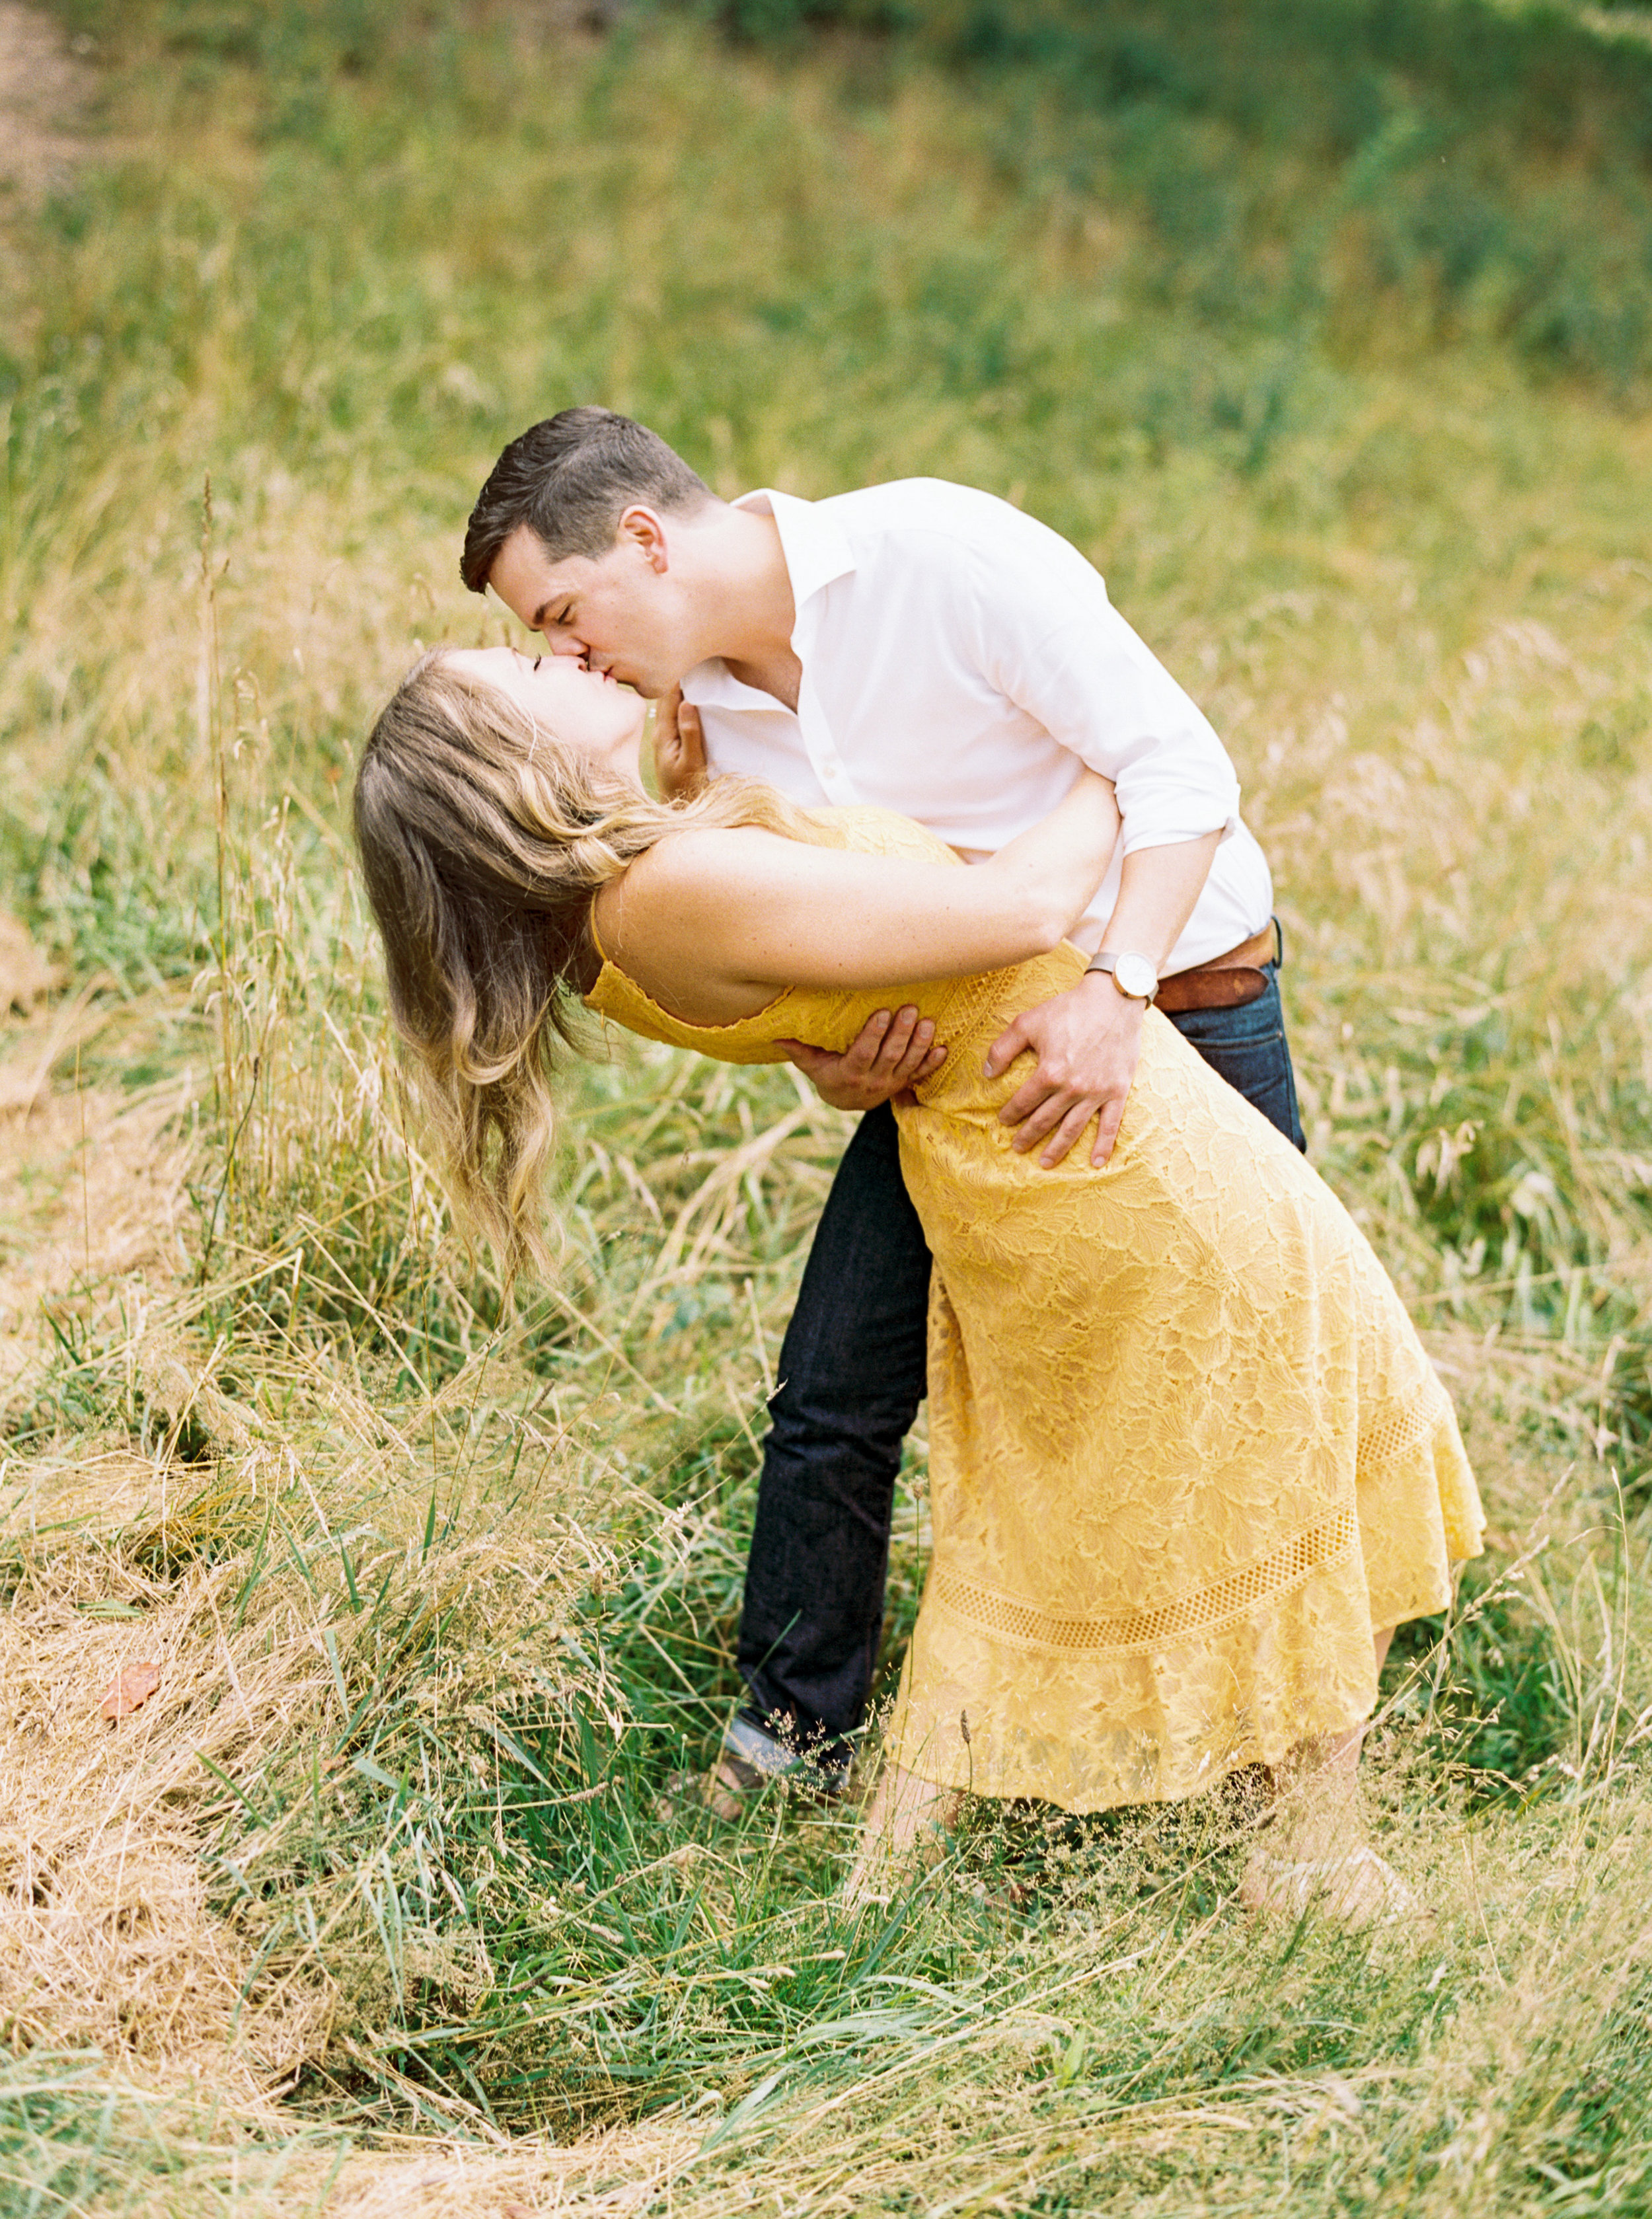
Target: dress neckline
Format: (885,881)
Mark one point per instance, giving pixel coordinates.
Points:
(689,1024)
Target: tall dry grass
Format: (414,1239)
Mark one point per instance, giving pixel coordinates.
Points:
(386,1901)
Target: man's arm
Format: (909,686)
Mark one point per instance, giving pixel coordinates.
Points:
(1087,1041)
(1051,641)
(894,1050)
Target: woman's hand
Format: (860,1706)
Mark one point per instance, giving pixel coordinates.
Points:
(678,746)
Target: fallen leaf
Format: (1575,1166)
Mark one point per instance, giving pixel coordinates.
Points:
(131,1689)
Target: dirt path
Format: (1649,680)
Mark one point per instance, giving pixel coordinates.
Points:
(91,1177)
(44,90)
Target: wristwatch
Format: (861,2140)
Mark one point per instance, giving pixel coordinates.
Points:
(1134,975)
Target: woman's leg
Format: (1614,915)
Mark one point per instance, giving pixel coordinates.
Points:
(903,1813)
(1317,1787)
(1316,1849)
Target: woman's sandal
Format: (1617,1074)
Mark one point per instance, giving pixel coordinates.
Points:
(1359,1888)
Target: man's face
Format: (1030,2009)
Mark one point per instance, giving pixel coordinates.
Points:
(617,613)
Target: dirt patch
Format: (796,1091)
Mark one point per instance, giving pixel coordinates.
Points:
(91,1189)
(45,88)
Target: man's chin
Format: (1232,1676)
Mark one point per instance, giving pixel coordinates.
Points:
(652,685)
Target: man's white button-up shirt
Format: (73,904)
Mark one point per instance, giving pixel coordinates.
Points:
(959,660)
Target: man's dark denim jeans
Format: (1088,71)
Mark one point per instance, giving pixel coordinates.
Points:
(852,1373)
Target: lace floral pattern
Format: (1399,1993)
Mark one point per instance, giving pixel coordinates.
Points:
(1186,1450)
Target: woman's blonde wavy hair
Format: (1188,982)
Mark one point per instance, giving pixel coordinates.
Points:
(483,840)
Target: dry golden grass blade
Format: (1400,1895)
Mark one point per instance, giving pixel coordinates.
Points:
(713,1200)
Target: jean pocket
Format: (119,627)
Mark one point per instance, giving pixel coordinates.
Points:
(1260,1060)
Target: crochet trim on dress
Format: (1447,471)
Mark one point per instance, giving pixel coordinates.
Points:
(1241,1593)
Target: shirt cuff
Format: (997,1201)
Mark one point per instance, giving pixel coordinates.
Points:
(1136,836)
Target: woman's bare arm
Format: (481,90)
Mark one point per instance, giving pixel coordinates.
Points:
(712,922)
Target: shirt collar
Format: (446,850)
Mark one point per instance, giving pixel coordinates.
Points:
(816,551)
(813,542)
(713,685)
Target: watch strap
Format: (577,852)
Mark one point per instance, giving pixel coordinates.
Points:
(1108,959)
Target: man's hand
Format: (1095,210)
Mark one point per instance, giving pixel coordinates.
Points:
(678,745)
(1087,1042)
(890,1055)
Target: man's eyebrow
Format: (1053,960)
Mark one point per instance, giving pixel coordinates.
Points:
(537,621)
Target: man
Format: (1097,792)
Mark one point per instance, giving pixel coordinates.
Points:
(926,647)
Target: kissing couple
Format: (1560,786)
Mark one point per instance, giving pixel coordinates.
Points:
(1189,1465)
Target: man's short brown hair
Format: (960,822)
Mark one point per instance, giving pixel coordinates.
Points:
(570,479)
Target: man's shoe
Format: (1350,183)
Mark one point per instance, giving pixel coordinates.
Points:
(752,1760)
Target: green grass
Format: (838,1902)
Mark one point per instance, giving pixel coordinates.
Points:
(394,1873)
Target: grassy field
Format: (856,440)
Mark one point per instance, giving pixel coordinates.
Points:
(385,1903)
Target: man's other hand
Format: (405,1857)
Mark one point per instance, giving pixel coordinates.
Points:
(678,745)
(890,1053)
(1087,1042)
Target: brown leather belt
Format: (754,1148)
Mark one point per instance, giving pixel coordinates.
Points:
(1227,982)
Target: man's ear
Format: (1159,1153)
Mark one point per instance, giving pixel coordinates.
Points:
(642,528)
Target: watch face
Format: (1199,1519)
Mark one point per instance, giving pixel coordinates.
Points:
(1136,977)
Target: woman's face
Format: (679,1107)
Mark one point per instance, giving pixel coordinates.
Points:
(587,710)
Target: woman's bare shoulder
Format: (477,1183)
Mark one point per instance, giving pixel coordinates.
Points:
(703,860)
(693,888)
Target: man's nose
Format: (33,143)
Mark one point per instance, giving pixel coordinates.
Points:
(566,646)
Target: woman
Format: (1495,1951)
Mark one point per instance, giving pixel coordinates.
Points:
(1189,1465)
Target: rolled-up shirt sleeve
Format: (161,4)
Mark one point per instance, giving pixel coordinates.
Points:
(1046,635)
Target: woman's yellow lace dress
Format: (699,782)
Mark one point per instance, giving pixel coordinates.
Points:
(1186,1452)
